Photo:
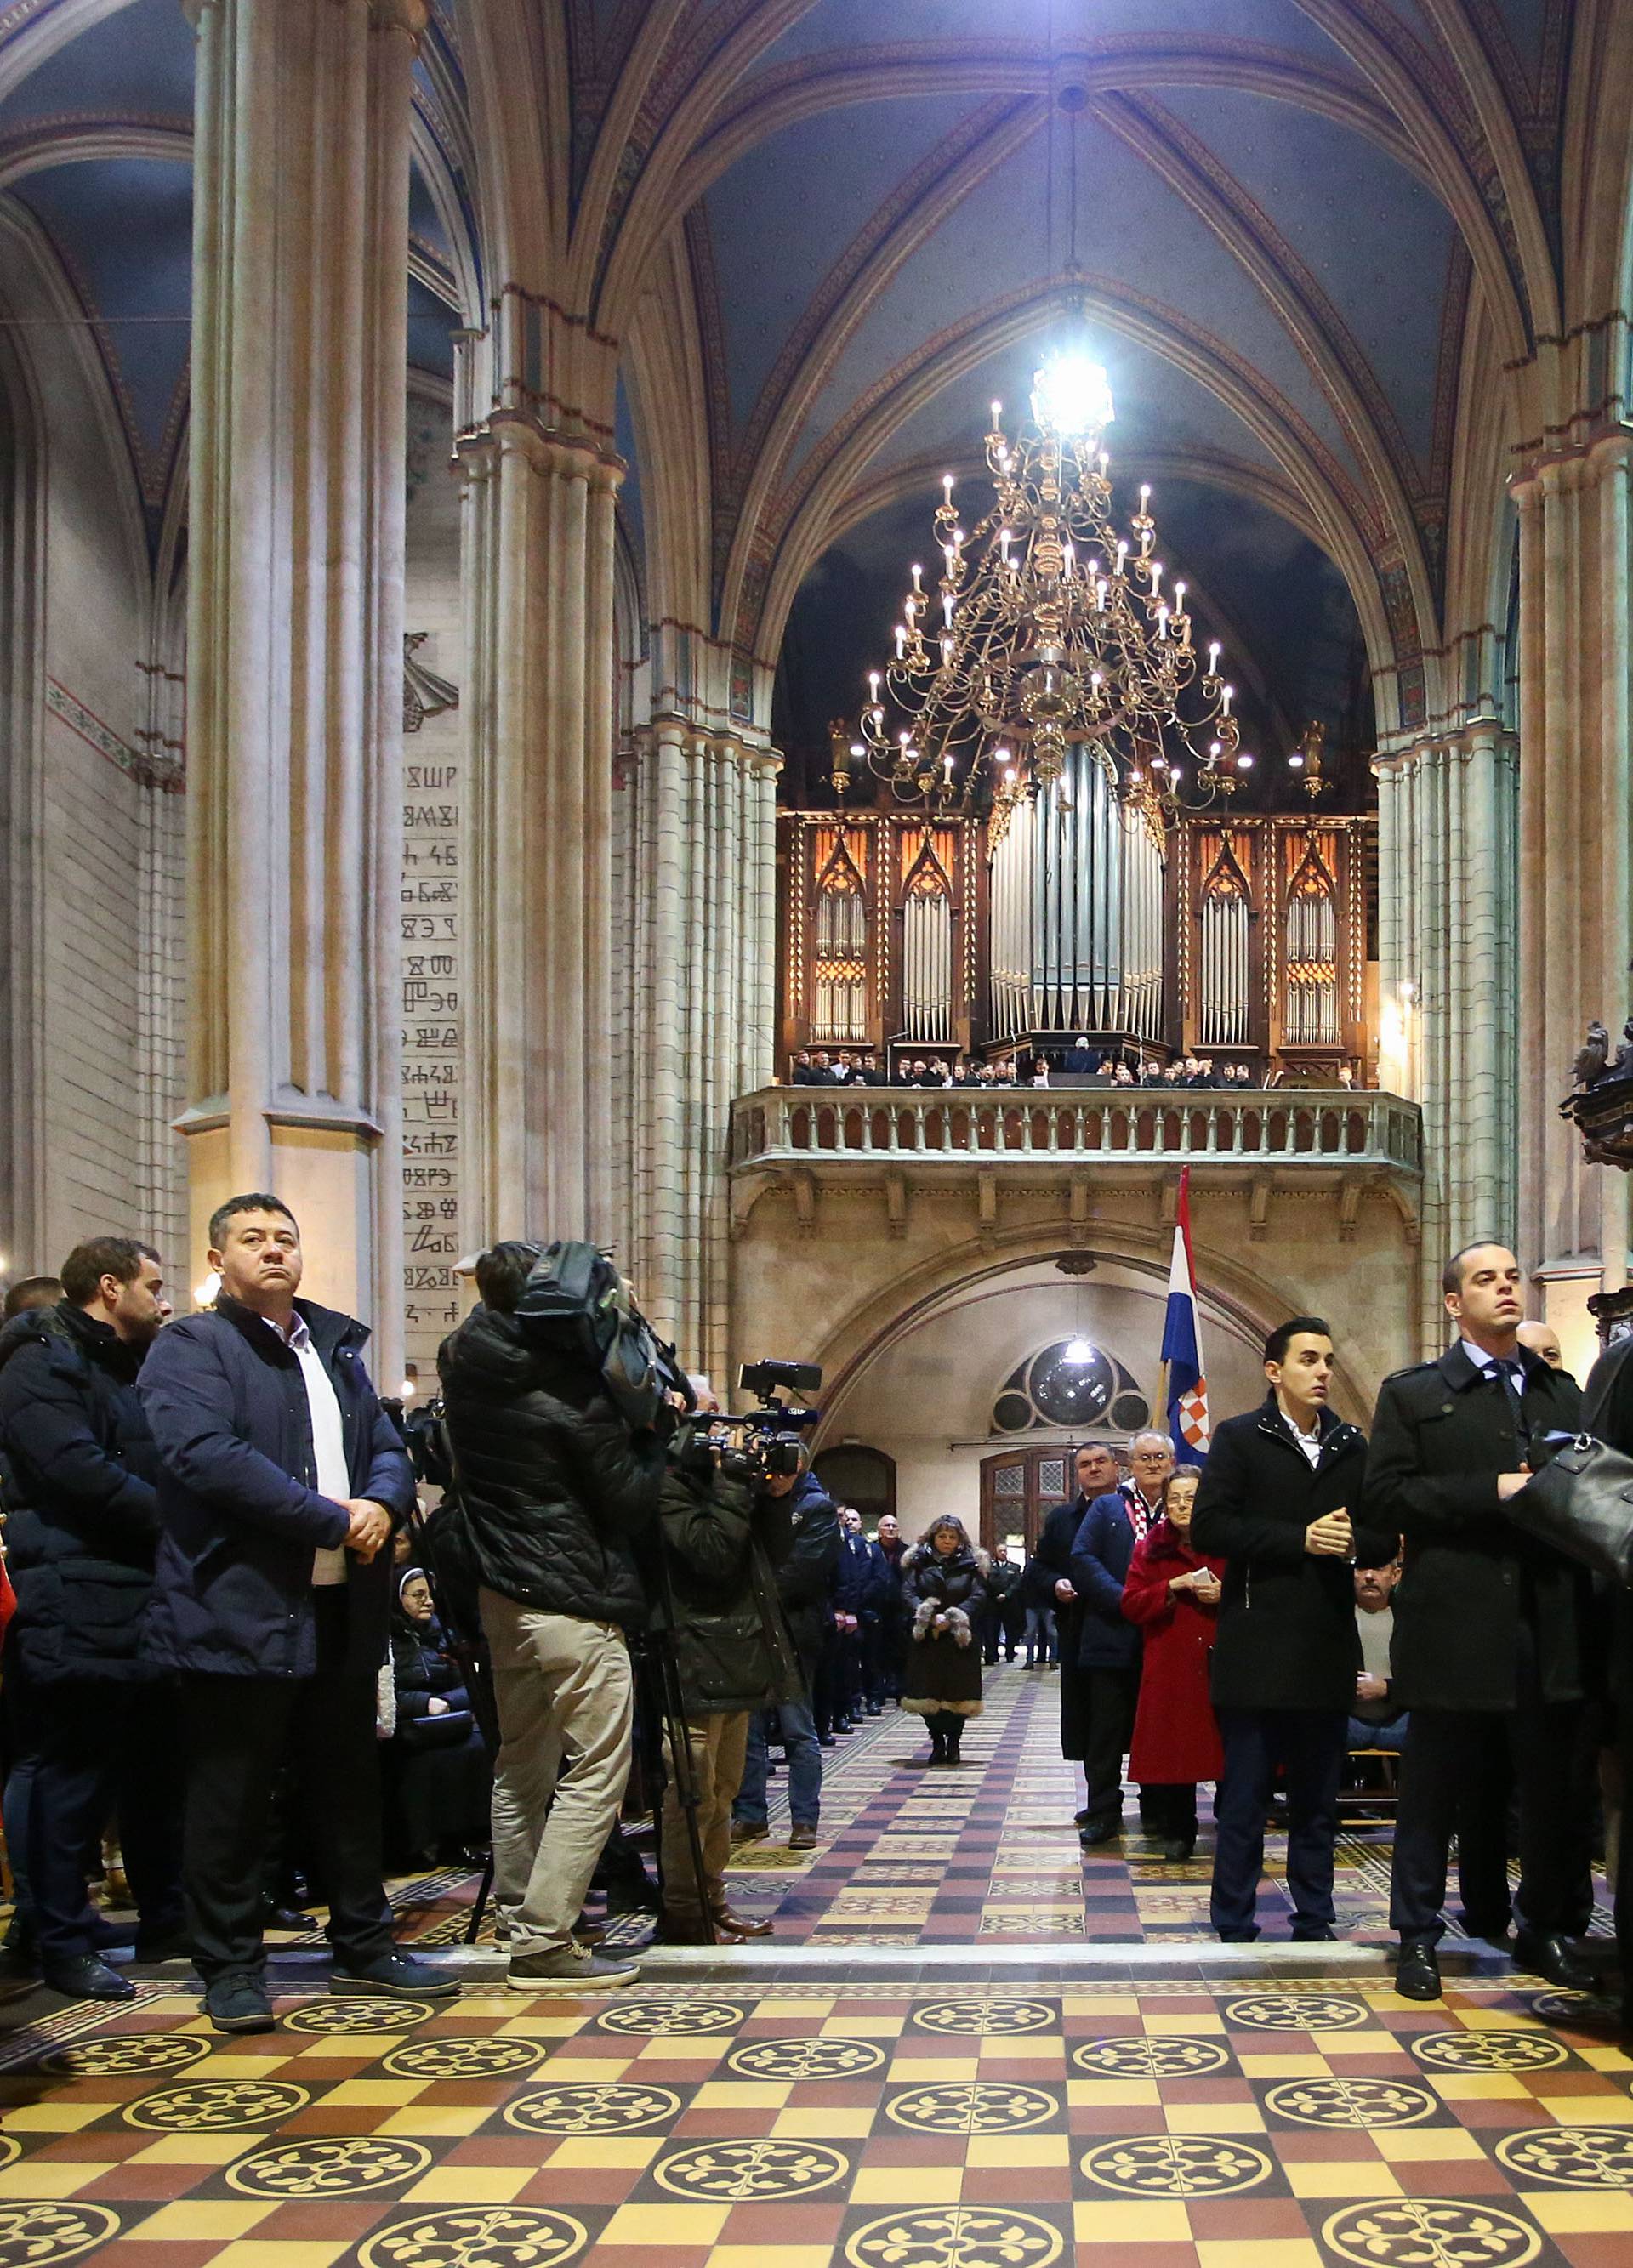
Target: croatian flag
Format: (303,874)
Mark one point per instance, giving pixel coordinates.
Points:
(1185,1382)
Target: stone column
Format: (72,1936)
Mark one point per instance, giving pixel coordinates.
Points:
(539,567)
(1446,918)
(295,630)
(1575,817)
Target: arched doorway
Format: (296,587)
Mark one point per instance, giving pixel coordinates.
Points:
(854,1474)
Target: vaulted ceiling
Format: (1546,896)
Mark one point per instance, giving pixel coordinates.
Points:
(1282,222)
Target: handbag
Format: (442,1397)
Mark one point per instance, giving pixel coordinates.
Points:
(1582,1503)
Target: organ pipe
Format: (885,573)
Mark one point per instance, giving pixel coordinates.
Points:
(926,966)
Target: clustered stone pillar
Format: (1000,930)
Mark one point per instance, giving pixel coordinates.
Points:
(1447,816)
(538,593)
(295,628)
(700,968)
(1575,816)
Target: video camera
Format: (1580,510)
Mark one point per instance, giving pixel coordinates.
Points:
(765,1443)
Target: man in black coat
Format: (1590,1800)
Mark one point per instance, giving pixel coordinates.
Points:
(805,1556)
(562,1501)
(1279,1502)
(1046,1586)
(280,1479)
(1607,1412)
(1489,1625)
(82,1526)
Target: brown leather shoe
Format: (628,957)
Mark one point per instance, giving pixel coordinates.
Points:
(689,1929)
(740,1925)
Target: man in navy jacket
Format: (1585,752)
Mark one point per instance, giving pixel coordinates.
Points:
(280,1479)
(1108,1651)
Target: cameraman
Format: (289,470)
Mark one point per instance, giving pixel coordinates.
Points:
(720,1533)
(561,1496)
(804,1559)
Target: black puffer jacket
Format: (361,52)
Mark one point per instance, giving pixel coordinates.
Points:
(560,1498)
(82,1523)
(804,1559)
(719,1592)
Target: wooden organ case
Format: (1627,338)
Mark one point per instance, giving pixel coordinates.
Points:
(1244,937)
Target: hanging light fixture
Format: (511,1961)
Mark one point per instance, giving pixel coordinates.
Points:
(1047,628)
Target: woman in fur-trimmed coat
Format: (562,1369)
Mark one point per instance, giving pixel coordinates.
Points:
(943,1591)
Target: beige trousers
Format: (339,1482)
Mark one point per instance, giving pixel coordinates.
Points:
(718,1746)
(566,1718)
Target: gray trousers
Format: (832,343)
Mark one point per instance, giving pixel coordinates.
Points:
(566,1714)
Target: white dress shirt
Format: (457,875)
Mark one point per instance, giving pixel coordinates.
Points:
(329,1440)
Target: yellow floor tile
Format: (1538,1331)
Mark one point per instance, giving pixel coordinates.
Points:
(823,2125)
(1112,2093)
(255,2252)
(1214,2118)
(379,2094)
(51,2116)
(1096,2221)
(1017,2150)
(664,2224)
(431,2118)
(1413,2145)
(35,2178)
(543,2026)
(784,2256)
(328,2045)
(687,2047)
(1607,2059)
(1160,2026)
(863,2028)
(933,2067)
(905,2185)
(1477,2087)
(608,2149)
(469,2185)
(1365,2042)
(197,2221)
(742,2094)
(588,2069)
(1317,2178)
(1592,2212)
(1588,2109)
(1283,2066)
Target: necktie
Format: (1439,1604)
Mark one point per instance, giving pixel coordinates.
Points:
(1512,1377)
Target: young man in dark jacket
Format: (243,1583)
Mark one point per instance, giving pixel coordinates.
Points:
(561,1498)
(1279,1501)
(280,1479)
(720,1535)
(803,1558)
(81,1531)
(1490,1626)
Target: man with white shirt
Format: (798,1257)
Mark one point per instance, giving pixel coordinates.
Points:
(280,1479)
(1490,1625)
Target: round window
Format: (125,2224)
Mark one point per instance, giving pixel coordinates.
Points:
(1072,1384)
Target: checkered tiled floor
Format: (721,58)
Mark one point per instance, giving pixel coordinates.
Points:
(952,2126)
(912,1857)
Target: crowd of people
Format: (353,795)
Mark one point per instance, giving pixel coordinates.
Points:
(227,1611)
(1081,1064)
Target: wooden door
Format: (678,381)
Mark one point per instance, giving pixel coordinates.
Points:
(1018,1486)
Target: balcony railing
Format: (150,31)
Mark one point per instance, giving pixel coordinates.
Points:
(1303,1127)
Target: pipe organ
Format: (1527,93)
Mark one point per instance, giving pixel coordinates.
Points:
(1242,937)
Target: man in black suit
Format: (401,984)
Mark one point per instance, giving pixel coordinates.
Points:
(1489,1625)
(1048,1583)
(1608,1412)
(1278,1503)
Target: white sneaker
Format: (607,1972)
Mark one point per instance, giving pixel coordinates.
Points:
(568,1968)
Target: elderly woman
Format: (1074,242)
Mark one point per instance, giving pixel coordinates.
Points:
(943,1592)
(1172,1594)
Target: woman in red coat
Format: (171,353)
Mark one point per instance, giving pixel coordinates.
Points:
(1173,1594)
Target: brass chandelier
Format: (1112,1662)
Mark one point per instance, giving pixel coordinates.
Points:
(1047,629)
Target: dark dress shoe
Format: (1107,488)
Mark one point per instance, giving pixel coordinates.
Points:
(1555,1959)
(1183,1849)
(687,1929)
(826,1741)
(88,1978)
(741,1924)
(239,2003)
(167,1945)
(1098,1831)
(1322,1934)
(1080,1818)
(1417,1973)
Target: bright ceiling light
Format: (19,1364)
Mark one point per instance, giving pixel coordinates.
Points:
(1079,1353)
(1072,395)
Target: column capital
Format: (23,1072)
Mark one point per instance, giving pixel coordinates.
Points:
(409,15)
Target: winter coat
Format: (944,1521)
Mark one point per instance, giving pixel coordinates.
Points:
(1102,1553)
(1442,1434)
(943,1668)
(1003,1582)
(238,1499)
(1051,1562)
(718,1595)
(803,1558)
(559,1497)
(422,1672)
(852,1575)
(1176,1735)
(82,1523)
(883,1597)
(1287,1622)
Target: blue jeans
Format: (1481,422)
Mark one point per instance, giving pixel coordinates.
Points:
(799,1738)
(1390,1736)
